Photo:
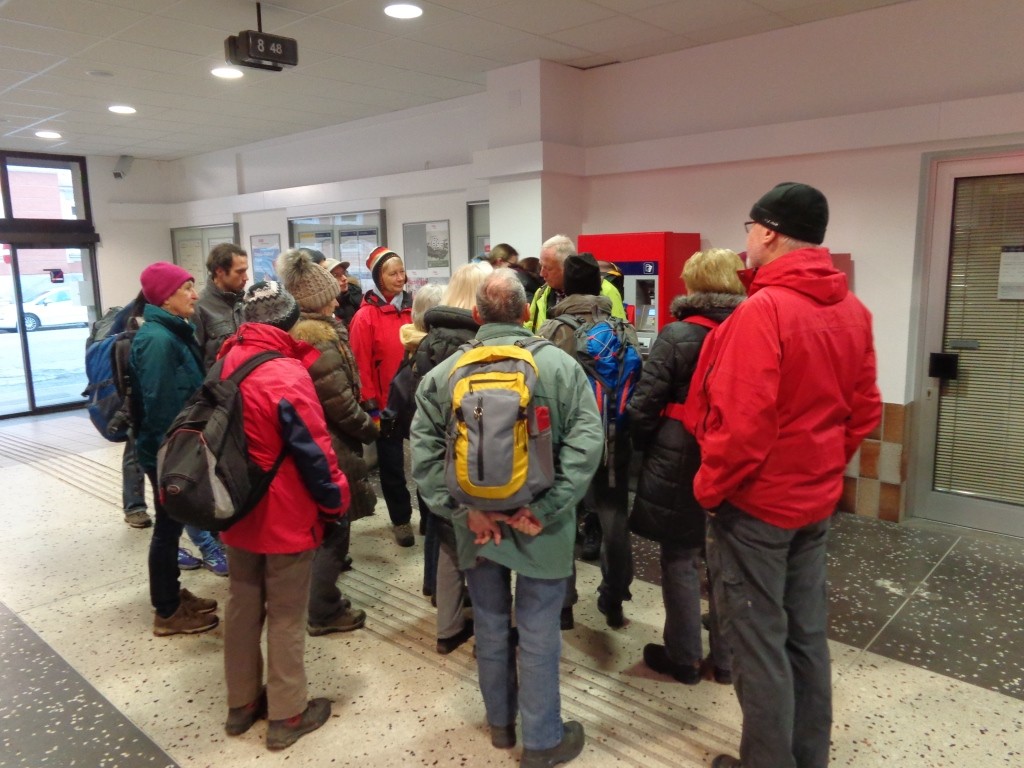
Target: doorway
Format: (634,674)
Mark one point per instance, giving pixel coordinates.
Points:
(970,403)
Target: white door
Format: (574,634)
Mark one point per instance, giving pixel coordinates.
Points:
(969,453)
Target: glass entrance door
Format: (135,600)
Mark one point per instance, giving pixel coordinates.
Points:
(46,307)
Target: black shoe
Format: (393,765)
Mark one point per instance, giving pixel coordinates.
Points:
(446,645)
(725,761)
(710,672)
(346,564)
(571,746)
(503,736)
(656,657)
(566,620)
(612,612)
(284,733)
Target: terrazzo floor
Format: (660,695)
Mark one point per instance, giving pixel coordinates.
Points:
(926,639)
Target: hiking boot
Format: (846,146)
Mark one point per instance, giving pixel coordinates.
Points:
(346,622)
(184,621)
(138,518)
(725,761)
(241,719)
(656,657)
(571,746)
(503,736)
(403,535)
(187,561)
(612,611)
(446,645)
(216,562)
(197,604)
(284,733)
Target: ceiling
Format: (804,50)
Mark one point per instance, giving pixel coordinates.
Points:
(64,62)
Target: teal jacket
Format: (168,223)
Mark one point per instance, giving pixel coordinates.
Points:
(166,368)
(577,439)
(544,301)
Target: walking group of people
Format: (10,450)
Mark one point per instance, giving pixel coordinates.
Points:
(751,402)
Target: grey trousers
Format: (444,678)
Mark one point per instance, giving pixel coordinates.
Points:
(770,584)
(449,586)
(271,589)
(326,602)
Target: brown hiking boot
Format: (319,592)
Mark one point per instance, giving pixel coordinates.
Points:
(184,621)
(284,733)
(198,604)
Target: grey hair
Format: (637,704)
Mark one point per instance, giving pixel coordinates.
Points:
(426,298)
(501,298)
(561,246)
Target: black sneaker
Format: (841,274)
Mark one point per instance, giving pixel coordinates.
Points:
(566,620)
(725,761)
(612,612)
(656,657)
(446,645)
(571,746)
(503,736)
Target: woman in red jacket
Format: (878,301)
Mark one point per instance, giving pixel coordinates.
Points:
(270,550)
(374,338)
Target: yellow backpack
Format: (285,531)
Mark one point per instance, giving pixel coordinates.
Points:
(499,455)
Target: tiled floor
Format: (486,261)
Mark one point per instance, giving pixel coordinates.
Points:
(926,644)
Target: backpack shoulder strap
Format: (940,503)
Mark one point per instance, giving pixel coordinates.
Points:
(247,367)
(706,322)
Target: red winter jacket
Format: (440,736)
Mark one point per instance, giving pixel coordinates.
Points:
(373,336)
(784,392)
(281,409)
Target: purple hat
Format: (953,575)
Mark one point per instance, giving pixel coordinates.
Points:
(161,280)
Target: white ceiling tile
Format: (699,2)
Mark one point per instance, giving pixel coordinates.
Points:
(545,17)
(332,36)
(81,16)
(469,35)
(607,34)
(692,15)
(369,14)
(58,42)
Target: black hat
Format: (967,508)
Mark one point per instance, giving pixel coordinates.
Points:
(796,210)
(581,275)
(269,303)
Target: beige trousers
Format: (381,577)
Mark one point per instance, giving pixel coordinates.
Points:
(273,589)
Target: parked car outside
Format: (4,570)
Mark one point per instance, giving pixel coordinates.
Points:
(58,306)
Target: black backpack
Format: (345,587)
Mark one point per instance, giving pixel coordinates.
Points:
(205,475)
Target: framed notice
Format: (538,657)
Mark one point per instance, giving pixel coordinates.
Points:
(264,249)
(426,250)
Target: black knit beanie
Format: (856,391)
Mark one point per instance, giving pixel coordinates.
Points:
(581,275)
(796,210)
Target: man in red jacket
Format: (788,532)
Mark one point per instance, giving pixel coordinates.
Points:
(783,394)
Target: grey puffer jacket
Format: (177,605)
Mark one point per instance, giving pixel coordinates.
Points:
(665,509)
(336,379)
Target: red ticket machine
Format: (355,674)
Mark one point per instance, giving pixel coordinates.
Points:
(651,264)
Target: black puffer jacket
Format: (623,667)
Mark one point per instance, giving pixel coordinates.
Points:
(447,329)
(664,508)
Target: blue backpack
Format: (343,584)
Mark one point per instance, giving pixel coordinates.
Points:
(608,351)
(106,402)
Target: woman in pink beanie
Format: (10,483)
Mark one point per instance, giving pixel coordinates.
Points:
(166,368)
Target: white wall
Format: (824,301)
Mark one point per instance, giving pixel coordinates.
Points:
(684,142)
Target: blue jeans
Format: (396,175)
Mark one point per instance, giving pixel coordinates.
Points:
(535,694)
(770,588)
(391,464)
(164,586)
(204,541)
(133,478)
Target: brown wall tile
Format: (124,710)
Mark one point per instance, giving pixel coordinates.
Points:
(867,497)
(893,420)
(869,451)
(890,497)
(848,501)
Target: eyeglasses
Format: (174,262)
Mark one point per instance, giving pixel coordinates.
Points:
(748,224)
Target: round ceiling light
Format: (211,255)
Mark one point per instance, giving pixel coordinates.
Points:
(227,73)
(403,11)
(122,109)
(48,135)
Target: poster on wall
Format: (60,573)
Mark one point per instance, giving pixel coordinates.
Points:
(1011,273)
(190,258)
(427,252)
(264,249)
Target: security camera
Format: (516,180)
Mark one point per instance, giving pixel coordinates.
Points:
(123,165)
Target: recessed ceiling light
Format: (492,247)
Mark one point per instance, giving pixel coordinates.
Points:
(403,11)
(48,135)
(122,109)
(227,73)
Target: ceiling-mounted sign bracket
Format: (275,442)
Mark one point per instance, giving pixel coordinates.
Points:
(260,50)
